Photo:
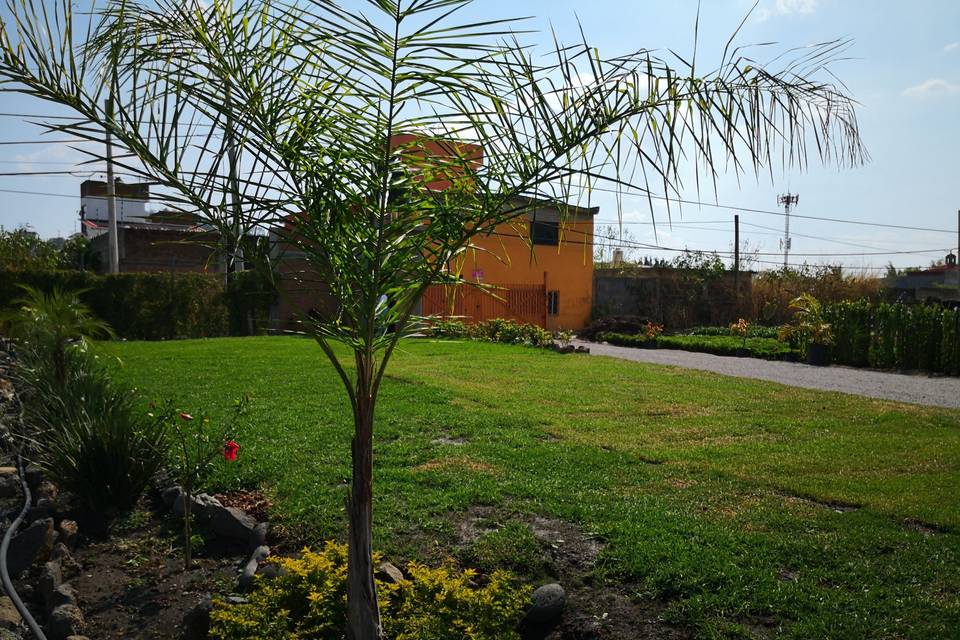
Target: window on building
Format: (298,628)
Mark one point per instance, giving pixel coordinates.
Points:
(544,232)
(553,303)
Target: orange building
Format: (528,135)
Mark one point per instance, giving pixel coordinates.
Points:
(539,269)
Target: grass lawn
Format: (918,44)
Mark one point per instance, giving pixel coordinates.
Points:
(729,500)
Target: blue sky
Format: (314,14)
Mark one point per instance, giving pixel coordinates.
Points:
(905,72)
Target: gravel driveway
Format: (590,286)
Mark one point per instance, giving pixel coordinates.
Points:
(917,389)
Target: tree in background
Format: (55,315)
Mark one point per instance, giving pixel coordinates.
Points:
(316,97)
(23,249)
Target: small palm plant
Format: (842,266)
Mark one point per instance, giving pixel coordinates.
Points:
(810,329)
(48,323)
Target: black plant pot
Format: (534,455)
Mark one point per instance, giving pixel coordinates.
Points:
(818,355)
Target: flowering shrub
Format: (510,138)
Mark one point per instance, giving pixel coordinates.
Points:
(653,330)
(741,328)
(308,600)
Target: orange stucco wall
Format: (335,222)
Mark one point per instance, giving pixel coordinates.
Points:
(568,268)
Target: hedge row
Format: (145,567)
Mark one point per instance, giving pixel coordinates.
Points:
(896,336)
(764,348)
(157,306)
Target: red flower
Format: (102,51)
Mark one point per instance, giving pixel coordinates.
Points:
(230,450)
(186,416)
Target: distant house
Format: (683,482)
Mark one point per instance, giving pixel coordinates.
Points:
(538,268)
(147,242)
(939,283)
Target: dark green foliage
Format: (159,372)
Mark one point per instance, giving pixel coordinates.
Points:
(896,336)
(755,331)
(765,348)
(159,306)
(92,436)
(249,298)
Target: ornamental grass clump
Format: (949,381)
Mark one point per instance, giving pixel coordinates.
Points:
(90,435)
(307,600)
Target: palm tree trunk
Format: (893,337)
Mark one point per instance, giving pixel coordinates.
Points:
(363,613)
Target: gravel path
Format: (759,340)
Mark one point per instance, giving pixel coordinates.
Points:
(917,389)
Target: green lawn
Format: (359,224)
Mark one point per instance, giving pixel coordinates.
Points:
(711,494)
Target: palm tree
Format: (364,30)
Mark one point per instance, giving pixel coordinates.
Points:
(316,96)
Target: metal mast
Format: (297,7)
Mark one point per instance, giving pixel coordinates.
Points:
(787,201)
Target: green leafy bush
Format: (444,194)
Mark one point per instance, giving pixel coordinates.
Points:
(308,600)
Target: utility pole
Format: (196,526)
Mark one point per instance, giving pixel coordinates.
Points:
(736,260)
(234,247)
(112,243)
(787,201)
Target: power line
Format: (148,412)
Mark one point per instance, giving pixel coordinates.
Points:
(643,194)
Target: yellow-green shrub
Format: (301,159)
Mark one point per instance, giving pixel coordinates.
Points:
(308,600)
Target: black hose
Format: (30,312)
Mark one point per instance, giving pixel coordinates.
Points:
(5,545)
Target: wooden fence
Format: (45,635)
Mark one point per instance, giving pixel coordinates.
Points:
(519,302)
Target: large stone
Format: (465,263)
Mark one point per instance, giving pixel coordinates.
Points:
(196,624)
(10,486)
(34,542)
(34,477)
(250,569)
(203,508)
(548,603)
(50,579)
(68,533)
(64,594)
(258,536)
(170,495)
(69,566)
(388,572)
(65,621)
(230,522)
(9,616)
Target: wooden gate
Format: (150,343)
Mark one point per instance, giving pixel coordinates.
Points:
(519,302)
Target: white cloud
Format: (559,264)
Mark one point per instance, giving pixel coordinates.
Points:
(931,87)
(787,8)
(950,48)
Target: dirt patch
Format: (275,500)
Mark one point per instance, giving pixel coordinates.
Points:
(458,462)
(446,440)
(925,528)
(131,584)
(609,613)
(254,503)
(594,611)
(836,506)
(569,550)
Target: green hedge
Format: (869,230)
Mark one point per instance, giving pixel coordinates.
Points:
(764,348)
(158,306)
(896,336)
